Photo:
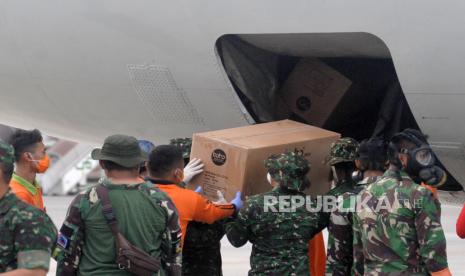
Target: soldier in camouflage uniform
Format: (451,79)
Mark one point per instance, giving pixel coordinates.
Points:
(27,234)
(280,239)
(371,159)
(201,253)
(341,159)
(397,227)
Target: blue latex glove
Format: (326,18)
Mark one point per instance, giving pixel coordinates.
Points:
(237,202)
(198,190)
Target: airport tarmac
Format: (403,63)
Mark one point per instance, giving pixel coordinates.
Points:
(236,260)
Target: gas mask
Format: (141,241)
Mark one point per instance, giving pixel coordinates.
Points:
(420,166)
(421,163)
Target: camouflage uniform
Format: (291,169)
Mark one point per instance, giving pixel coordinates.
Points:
(406,237)
(280,239)
(201,252)
(343,150)
(27,234)
(340,258)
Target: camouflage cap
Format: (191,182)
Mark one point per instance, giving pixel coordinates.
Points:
(343,150)
(184,144)
(7,153)
(289,169)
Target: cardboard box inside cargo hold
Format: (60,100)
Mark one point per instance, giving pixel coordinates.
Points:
(312,91)
(234,158)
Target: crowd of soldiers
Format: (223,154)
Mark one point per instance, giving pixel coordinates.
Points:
(142,220)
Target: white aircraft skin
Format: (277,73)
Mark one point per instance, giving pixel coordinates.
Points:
(67,67)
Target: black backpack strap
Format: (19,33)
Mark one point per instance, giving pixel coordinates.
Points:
(107,209)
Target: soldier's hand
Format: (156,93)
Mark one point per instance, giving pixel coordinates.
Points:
(192,169)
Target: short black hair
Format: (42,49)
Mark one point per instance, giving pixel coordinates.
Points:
(24,140)
(112,166)
(163,159)
(372,154)
(7,170)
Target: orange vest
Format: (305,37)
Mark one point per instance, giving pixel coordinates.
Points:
(30,193)
(193,207)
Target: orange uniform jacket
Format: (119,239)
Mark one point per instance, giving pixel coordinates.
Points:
(192,206)
(30,193)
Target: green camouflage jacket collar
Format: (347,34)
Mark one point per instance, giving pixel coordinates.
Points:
(345,183)
(368,180)
(6,202)
(393,174)
(107,183)
(33,188)
(283,190)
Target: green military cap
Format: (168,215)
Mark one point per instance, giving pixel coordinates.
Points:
(7,153)
(184,144)
(289,169)
(122,149)
(343,150)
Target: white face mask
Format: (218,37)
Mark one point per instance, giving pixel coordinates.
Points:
(335,178)
(268,177)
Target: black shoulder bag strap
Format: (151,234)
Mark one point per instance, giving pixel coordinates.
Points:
(128,256)
(107,209)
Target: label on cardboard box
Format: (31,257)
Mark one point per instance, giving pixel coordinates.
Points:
(313,90)
(212,182)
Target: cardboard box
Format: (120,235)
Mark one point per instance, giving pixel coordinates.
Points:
(234,158)
(313,90)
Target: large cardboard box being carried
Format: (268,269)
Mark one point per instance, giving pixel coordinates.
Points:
(313,90)
(234,158)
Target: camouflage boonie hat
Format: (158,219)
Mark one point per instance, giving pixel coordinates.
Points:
(343,150)
(7,153)
(289,169)
(184,144)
